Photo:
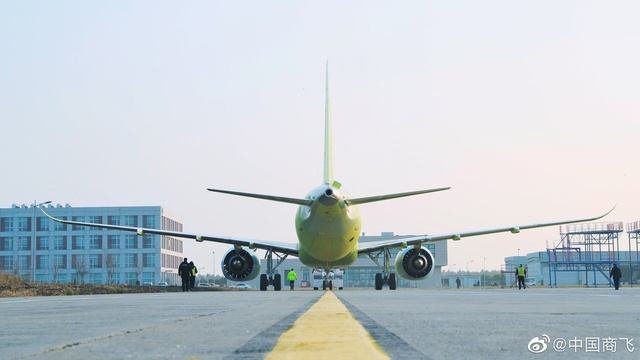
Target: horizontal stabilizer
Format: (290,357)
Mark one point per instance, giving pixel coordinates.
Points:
(266,197)
(370,199)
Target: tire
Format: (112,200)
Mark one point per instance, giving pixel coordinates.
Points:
(277,282)
(324,284)
(392,281)
(378,281)
(330,285)
(263,282)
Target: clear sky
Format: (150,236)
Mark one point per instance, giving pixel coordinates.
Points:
(529,110)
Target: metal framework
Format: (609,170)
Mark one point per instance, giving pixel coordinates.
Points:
(591,248)
(633,231)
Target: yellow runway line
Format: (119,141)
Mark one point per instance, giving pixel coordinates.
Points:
(329,331)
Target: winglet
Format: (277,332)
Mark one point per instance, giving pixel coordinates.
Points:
(328,150)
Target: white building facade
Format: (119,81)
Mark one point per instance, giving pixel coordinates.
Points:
(34,247)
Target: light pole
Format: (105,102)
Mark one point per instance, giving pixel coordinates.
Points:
(470,261)
(214,266)
(33,241)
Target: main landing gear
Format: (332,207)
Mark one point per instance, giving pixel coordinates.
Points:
(271,278)
(386,277)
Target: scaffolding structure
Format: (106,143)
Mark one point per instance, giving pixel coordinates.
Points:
(633,231)
(589,248)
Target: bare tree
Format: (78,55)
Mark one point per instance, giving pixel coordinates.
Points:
(79,264)
(111,265)
(139,268)
(55,272)
(16,266)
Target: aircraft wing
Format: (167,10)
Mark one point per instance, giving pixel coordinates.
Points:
(420,239)
(284,248)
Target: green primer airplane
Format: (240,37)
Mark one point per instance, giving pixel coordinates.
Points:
(328,225)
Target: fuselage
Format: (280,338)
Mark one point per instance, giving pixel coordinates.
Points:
(328,229)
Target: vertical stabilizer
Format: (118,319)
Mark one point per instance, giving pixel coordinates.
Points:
(328,150)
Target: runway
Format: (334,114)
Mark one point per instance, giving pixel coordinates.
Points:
(402,324)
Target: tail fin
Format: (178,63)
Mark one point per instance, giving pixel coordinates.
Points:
(328,149)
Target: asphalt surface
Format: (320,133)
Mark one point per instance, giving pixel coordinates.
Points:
(416,324)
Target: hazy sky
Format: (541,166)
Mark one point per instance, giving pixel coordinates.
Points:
(529,110)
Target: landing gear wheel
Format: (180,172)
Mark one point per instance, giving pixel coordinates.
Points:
(324,284)
(277,282)
(378,281)
(392,281)
(263,282)
(330,285)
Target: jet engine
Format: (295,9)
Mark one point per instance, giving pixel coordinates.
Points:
(414,264)
(240,265)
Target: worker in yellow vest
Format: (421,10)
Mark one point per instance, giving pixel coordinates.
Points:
(292,277)
(521,273)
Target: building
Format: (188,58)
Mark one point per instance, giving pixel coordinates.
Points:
(362,272)
(37,248)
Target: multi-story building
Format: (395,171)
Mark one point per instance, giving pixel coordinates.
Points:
(37,248)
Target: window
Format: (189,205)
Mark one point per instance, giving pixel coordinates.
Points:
(95,219)
(24,224)
(42,243)
(149,260)
(95,242)
(6,224)
(23,242)
(113,220)
(113,241)
(149,221)
(5,244)
(95,261)
(42,262)
(131,220)
(59,243)
(78,242)
(60,226)
(77,227)
(130,242)
(42,224)
(130,278)
(60,261)
(148,242)
(112,261)
(95,278)
(6,263)
(130,260)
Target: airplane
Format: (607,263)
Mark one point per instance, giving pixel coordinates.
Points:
(328,225)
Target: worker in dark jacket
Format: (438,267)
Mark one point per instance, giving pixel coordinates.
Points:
(184,271)
(615,274)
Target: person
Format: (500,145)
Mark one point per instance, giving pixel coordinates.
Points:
(192,276)
(458,282)
(292,277)
(521,272)
(184,272)
(615,274)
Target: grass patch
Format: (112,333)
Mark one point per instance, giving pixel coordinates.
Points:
(14,286)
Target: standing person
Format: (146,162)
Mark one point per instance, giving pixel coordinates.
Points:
(458,282)
(615,274)
(521,272)
(192,276)
(184,272)
(292,277)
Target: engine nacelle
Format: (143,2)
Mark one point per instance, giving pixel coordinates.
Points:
(412,264)
(240,265)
